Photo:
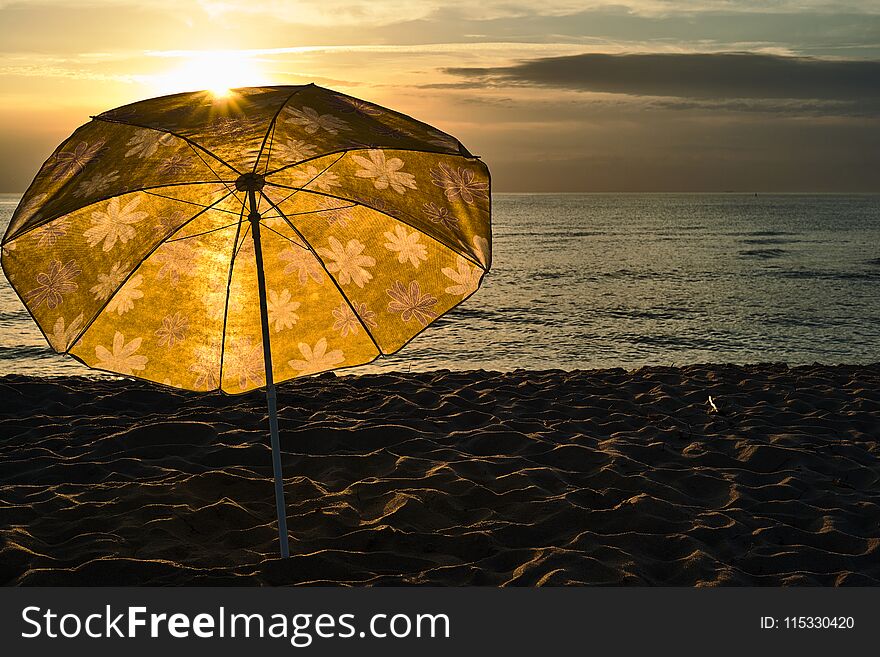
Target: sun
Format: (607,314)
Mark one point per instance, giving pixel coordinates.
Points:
(217,71)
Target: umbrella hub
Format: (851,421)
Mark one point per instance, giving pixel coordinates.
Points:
(250,182)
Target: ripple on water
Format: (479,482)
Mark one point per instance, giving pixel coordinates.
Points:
(762,254)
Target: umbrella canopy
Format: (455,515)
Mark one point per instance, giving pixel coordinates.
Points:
(225,243)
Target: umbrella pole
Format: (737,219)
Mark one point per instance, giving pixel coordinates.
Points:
(280,506)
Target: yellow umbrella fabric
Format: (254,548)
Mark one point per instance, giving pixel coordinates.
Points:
(134,247)
(374,225)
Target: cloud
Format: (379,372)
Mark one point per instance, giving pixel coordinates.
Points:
(704,75)
(43,71)
(783,107)
(433,48)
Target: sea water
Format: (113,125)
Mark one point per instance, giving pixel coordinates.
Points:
(625,280)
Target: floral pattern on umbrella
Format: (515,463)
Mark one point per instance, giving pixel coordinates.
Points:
(133,252)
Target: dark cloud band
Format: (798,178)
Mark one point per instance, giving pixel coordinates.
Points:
(704,75)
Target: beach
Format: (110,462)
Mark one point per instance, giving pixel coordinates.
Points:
(520,478)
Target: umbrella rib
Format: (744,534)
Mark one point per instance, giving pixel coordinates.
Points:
(283,236)
(226,302)
(329,275)
(313,179)
(169,132)
(370,207)
(238,247)
(271,130)
(122,283)
(207,232)
(145,190)
(371,148)
(224,182)
(198,205)
(268,152)
(299,214)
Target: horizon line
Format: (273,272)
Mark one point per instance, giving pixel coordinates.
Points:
(643,191)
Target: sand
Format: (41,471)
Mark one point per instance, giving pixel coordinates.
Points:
(598,477)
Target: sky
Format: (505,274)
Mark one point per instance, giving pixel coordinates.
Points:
(556,96)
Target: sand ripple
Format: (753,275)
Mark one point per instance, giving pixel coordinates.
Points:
(521,478)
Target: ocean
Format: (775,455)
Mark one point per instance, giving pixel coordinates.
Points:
(626,280)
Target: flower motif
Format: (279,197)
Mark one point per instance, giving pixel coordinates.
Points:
(346,321)
(466,278)
(123,357)
(69,163)
(62,335)
(384,172)
(173,165)
(176,258)
(114,223)
(481,246)
(458,182)
(440,215)
(170,222)
(237,295)
(442,140)
(411,303)
(26,212)
(48,234)
(390,131)
(120,113)
(227,125)
(349,105)
(337,216)
(95,184)
(348,262)
(146,142)
(311,178)
(293,150)
(317,358)
(357,144)
(173,329)
(304,263)
(205,367)
(281,309)
(54,283)
(406,245)
(124,299)
(110,282)
(377,203)
(311,121)
(220,301)
(243,360)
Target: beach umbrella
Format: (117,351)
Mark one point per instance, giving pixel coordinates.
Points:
(230,242)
